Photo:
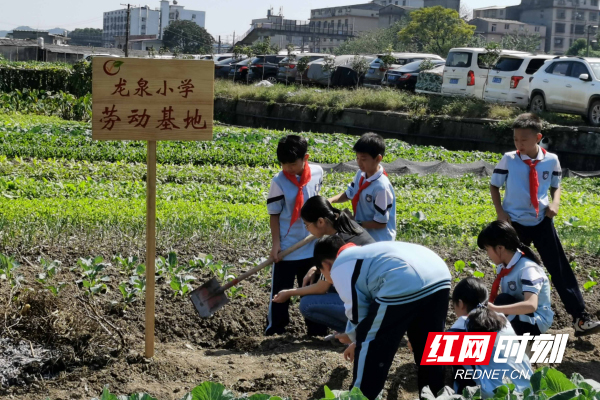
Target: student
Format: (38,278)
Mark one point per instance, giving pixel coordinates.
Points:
(321,303)
(388,289)
(372,194)
(290,188)
(525,296)
(529,173)
(469,300)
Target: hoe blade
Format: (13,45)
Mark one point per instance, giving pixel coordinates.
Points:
(208,299)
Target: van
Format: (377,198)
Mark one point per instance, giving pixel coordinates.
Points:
(376,72)
(508,80)
(465,73)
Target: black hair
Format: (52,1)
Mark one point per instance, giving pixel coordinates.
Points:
(291,148)
(327,248)
(319,207)
(528,121)
(471,291)
(501,233)
(370,143)
(473,294)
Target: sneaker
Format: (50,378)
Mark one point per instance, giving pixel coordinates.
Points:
(585,326)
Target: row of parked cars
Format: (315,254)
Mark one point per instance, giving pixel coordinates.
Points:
(539,82)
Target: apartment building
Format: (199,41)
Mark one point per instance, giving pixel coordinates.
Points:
(494,29)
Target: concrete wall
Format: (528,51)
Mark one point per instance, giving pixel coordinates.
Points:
(577,148)
(16,53)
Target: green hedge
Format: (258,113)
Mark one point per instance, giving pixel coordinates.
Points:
(76,79)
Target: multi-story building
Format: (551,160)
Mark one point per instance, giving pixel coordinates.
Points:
(490,12)
(494,29)
(565,20)
(145,21)
(33,34)
(280,41)
(391,14)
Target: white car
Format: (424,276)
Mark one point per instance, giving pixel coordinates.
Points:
(568,85)
(508,80)
(465,73)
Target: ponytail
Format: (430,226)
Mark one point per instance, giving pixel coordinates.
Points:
(501,233)
(482,319)
(319,207)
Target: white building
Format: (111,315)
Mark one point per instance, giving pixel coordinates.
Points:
(145,21)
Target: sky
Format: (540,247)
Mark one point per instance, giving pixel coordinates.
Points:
(223,17)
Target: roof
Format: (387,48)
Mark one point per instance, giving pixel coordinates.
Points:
(489,8)
(395,7)
(364,6)
(18,42)
(503,21)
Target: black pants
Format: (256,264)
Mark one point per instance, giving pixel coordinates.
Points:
(547,243)
(283,276)
(380,333)
(520,327)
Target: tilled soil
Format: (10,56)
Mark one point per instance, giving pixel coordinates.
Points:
(62,349)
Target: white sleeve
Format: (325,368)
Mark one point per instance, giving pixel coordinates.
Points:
(532,280)
(556,175)
(353,186)
(500,172)
(384,199)
(275,199)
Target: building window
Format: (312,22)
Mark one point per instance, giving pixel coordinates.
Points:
(593,16)
(561,14)
(346,22)
(143,26)
(559,28)
(579,29)
(558,43)
(501,12)
(193,16)
(493,27)
(595,3)
(143,19)
(507,26)
(536,29)
(171,15)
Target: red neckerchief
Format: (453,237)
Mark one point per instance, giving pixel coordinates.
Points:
(362,187)
(304,179)
(344,247)
(496,284)
(534,183)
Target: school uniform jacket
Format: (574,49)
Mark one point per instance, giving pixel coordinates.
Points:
(512,171)
(389,273)
(527,276)
(282,199)
(488,384)
(377,203)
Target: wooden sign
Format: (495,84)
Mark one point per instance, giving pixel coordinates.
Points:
(150,99)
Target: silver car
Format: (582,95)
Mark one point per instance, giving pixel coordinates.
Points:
(376,71)
(287,66)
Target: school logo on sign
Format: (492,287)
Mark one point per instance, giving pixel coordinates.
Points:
(369,198)
(546,174)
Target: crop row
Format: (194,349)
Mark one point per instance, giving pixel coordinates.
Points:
(46,137)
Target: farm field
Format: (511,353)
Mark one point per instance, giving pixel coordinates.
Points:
(67,198)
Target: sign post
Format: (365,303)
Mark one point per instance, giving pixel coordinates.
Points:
(152,100)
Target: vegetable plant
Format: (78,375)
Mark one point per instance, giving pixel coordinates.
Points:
(46,278)
(8,265)
(92,270)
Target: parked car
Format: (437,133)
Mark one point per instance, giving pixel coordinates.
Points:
(317,76)
(508,80)
(223,67)
(239,71)
(405,77)
(376,72)
(346,76)
(466,73)
(287,66)
(265,68)
(569,85)
(430,81)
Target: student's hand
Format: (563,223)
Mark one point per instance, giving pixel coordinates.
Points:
(282,296)
(349,352)
(308,278)
(552,210)
(492,307)
(343,338)
(503,216)
(275,252)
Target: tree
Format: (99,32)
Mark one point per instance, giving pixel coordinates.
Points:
(436,30)
(237,51)
(377,41)
(264,47)
(578,46)
(488,59)
(521,41)
(329,67)
(86,37)
(360,65)
(302,66)
(189,37)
